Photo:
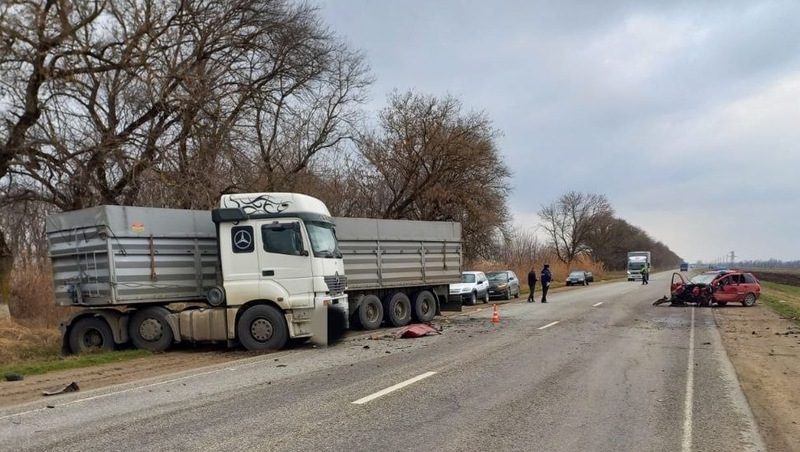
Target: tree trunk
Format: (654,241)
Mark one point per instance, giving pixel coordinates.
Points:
(6,263)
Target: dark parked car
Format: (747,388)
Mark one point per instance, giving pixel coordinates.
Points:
(578,278)
(503,284)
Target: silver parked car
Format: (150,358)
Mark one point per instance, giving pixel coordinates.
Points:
(503,284)
(474,286)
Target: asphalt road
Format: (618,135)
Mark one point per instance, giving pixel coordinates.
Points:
(598,368)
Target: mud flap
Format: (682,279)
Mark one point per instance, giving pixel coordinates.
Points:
(448,304)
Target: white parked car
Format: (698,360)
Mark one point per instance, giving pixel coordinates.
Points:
(474,286)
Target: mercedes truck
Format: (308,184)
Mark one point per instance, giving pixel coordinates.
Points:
(255,271)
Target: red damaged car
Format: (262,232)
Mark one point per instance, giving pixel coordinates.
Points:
(713,287)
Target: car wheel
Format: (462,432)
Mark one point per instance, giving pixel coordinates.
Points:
(585,283)
(473,299)
(749,300)
(90,334)
(486,297)
(507,295)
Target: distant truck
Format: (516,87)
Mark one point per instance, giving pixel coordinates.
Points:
(636,261)
(684,266)
(254,271)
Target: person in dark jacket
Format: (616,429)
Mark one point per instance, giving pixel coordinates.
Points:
(546,278)
(532,284)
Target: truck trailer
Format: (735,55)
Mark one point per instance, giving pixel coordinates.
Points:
(255,271)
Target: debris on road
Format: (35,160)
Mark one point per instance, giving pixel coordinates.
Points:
(417,330)
(12,376)
(72,387)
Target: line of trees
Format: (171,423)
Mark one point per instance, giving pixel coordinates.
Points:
(170,104)
(584,224)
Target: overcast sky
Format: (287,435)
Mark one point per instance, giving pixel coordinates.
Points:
(685,114)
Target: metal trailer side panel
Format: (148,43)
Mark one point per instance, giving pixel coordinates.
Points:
(112,255)
(381,254)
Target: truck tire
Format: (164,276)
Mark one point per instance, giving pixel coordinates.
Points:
(262,327)
(150,330)
(424,306)
(397,309)
(370,312)
(90,334)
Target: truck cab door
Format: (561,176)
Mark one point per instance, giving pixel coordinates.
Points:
(284,258)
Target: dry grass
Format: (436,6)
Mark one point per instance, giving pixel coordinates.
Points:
(32,300)
(20,343)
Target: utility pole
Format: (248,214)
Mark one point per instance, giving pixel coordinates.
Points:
(733,258)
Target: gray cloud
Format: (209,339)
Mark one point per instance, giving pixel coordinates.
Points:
(675,110)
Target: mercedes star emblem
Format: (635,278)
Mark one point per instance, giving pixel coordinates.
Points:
(242,240)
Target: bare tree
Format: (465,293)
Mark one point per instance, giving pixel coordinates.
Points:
(166,103)
(571,220)
(430,160)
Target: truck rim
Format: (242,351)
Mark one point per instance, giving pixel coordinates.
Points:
(400,310)
(151,330)
(261,330)
(372,312)
(92,339)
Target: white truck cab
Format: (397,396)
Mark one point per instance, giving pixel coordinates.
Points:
(280,248)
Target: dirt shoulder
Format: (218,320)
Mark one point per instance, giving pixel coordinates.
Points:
(764,349)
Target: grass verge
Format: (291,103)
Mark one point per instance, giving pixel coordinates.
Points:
(41,366)
(781,298)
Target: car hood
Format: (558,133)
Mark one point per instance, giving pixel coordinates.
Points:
(497,283)
(460,286)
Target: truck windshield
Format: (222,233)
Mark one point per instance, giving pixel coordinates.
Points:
(635,266)
(323,240)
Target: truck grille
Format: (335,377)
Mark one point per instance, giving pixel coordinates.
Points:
(336,284)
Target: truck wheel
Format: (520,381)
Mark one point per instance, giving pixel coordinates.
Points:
(150,330)
(262,327)
(749,300)
(370,312)
(398,309)
(424,306)
(90,334)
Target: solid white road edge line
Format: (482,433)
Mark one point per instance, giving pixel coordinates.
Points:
(597,304)
(688,404)
(383,392)
(549,325)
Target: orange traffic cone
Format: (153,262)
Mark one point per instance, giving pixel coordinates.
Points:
(496,316)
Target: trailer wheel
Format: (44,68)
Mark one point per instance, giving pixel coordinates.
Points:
(262,327)
(398,309)
(150,330)
(370,312)
(424,306)
(90,334)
